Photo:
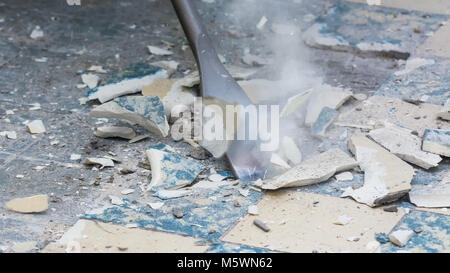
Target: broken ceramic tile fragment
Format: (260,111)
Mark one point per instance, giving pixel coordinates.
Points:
(91,80)
(401,142)
(103,162)
(9,134)
(253,210)
(315,170)
(445,111)
(435,195)
(115,131)
(331,97)
(401,237)
(97,68)
(437,142)
(36,127)
(290,151)
(170,171)
(386,177)
(159,51)
(145,111)
(345,176)
(115,200)
(33,204)
(129,84)
(323,121)
(294,103)
(262,22)
(276,160)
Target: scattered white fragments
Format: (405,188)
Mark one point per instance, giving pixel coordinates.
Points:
(36,127)
(386,177)
(115,200)
(145,111)
(253,210)
(126,86)
(37,33)
(170,171)
(342,220)
(331,97)
(294,103)
(315,170)
(156,205)
(345,176)
(91,80)
(33,204)
(445,111)
(278,161)
(97,68)
(437,142)
(401,237)
(290,151)
(435,195)
(115,131)
(262,22)
(127,191)
(75,157)
(103,162)
(412,64)
(159,51)
(401,142)
(9,134)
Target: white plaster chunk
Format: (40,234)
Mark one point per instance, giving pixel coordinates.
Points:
(127,191)
(97,68)
(401,142)
(156,205)
(36,127)
(33,204)
(345,176)
(401,237)
(37,33)
(115,200)
(315,170)
(91,80)
(445,111)
(435,195)
(290,150)
(253,210)
(9,134)
(294,103)
(103,162)
(159,51)
(278,161)
(262,22)
(343,220)
(331,97)
(437,142)
(386,177)
(115,131)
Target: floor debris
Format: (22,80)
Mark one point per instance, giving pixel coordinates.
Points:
(315,170)
(253,210)
(99,161)
(129,85)
(170,171)
(401,142)
(386,177)
(115,131)
(9,134)
(342,220)
(91,80)
(331,97)
(294,103)
(261,225)
(401,237)
(36,127)
(33,204)
(262,22)
(37,33)
(323,121)
(145,111)
(436,195)
(345,176)
(159,51)
(437,142)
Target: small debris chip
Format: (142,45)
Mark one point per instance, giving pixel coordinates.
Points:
(401,237)
(156,205)
(342,220)
(345,176)
(127,191)
(36,127)
(159,51)
(178,213)
(33,204)
(261,225)
(90,79)
(253,210)
(115,131)
(382,237)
